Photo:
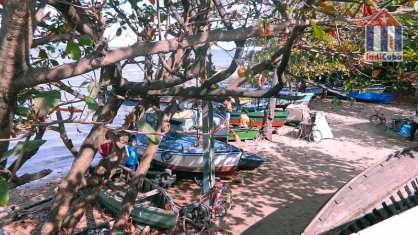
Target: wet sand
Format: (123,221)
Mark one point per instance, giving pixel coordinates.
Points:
(284,194)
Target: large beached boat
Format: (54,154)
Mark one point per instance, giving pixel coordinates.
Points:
(185,153)
(383,190)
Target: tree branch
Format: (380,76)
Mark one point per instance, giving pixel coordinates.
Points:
(26,178)
(53,38)
(204,92)
(39,76)
(64,137)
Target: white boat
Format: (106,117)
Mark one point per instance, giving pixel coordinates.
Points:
(182,154)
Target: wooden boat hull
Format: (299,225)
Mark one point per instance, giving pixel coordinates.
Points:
(225,163)
(142,214)
(180,153)
(243,133)
(379,192)
(385,97)
(256,118)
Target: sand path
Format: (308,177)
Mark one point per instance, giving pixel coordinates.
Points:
(283,195)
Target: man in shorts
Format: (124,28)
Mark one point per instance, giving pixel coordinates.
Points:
(228,110)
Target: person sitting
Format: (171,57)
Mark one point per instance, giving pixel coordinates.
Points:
(244,120)
(132,159)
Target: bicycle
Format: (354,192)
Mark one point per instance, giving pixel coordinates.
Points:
(396,123)
(196,217)
(306,130)
(378,118)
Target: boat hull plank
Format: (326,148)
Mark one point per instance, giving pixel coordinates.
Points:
(365,192)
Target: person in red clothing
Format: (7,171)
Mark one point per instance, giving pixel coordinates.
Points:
(105,149)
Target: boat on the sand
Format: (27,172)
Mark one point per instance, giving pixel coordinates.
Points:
(373,97)
(184,154)
(256,118)
(381,191)
(243,133)
(372,94)
(152,207)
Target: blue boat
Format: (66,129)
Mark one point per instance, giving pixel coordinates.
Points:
(384,97)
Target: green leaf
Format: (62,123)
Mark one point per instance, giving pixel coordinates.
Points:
(4,193)
(54,62)
(50,48)
(45,101)
(85,41)
(54,95)
(118,32)
(91,103)
(73,50)
(144,126)
(23,95)
(319,33)
(22,111)
(42,54)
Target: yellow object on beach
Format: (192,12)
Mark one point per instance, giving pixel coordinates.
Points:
(244,120)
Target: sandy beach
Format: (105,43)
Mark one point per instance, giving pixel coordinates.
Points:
(283,195)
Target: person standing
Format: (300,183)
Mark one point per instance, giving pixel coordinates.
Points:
(228,110)
(132,159)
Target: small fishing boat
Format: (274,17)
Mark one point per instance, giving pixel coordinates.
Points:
(373,94)
(243,133)
(313,90)
(302,98)
(152,207)
(256,118)
(181,153)
(384,97)
(381,191)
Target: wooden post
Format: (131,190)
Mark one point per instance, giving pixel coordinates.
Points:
(208,144)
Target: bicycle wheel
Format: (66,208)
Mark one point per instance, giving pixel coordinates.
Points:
(297,133)
(315,136)
(374,119)
(225,202)
(195,219)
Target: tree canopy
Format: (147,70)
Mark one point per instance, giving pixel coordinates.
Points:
(46,42)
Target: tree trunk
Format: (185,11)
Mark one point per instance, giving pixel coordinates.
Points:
(88,194)
(7,109)
(134,186)
(75,178)
(15,39)
(269,115)
(136,183)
